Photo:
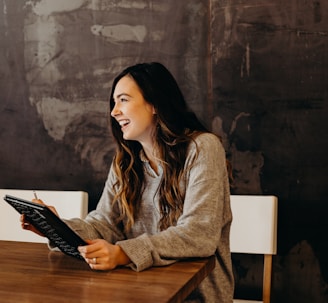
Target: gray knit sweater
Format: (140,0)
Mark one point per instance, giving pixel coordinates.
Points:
(202,229)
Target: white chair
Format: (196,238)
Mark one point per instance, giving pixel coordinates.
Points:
(254,231)
(69,204)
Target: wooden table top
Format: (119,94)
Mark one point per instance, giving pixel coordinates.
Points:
(29,272)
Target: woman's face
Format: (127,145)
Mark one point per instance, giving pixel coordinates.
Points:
(135,116)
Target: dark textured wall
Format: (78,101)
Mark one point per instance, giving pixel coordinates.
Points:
(254,71)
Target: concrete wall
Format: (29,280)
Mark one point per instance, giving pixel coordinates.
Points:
(254,70)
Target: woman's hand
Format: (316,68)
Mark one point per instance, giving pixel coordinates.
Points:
(101,255)
(28,226)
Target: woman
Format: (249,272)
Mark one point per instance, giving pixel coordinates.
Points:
(167,193)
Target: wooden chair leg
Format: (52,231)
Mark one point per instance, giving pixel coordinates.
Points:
(267,271)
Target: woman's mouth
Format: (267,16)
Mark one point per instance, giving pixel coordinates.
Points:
(123,123)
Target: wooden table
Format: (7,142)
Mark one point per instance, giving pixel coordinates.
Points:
(29,272)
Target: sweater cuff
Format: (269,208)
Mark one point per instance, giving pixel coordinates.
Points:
(139,250)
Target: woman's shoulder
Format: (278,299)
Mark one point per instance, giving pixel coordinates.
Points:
(206,142)
(207,139)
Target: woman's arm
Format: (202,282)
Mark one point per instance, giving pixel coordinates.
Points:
(102,222)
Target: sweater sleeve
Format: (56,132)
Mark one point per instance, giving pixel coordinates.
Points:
(102,222)
(206,212)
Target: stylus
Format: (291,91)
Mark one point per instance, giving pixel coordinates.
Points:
(35,196)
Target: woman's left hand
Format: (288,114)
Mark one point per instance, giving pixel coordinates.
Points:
(101,255)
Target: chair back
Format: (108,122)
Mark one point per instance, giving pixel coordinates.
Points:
(254,231)
(254,225)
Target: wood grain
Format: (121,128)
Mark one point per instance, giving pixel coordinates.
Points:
(29,272)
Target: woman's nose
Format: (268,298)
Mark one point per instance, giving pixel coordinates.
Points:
(115,111)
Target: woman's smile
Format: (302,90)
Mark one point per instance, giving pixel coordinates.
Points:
(124,123)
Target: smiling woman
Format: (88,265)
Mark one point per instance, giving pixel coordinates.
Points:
(167,194)
(133,113)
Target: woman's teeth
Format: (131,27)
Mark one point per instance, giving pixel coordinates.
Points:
(124,122)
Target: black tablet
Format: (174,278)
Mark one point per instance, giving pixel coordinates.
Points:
(45,221)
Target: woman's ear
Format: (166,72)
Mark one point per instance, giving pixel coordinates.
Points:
(154,111)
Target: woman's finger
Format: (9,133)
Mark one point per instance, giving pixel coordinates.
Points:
(26,225)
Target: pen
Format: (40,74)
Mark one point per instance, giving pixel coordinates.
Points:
(35,196)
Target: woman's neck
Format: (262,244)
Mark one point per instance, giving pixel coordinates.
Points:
(150,153)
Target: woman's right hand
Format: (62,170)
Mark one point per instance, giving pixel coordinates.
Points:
(28,226)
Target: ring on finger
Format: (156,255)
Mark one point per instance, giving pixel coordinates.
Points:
(94,260)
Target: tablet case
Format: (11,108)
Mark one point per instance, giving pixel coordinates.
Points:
(49,224)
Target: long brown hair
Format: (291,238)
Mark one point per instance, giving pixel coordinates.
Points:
(176,128)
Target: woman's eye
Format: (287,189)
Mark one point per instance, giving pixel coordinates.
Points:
(123,99)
